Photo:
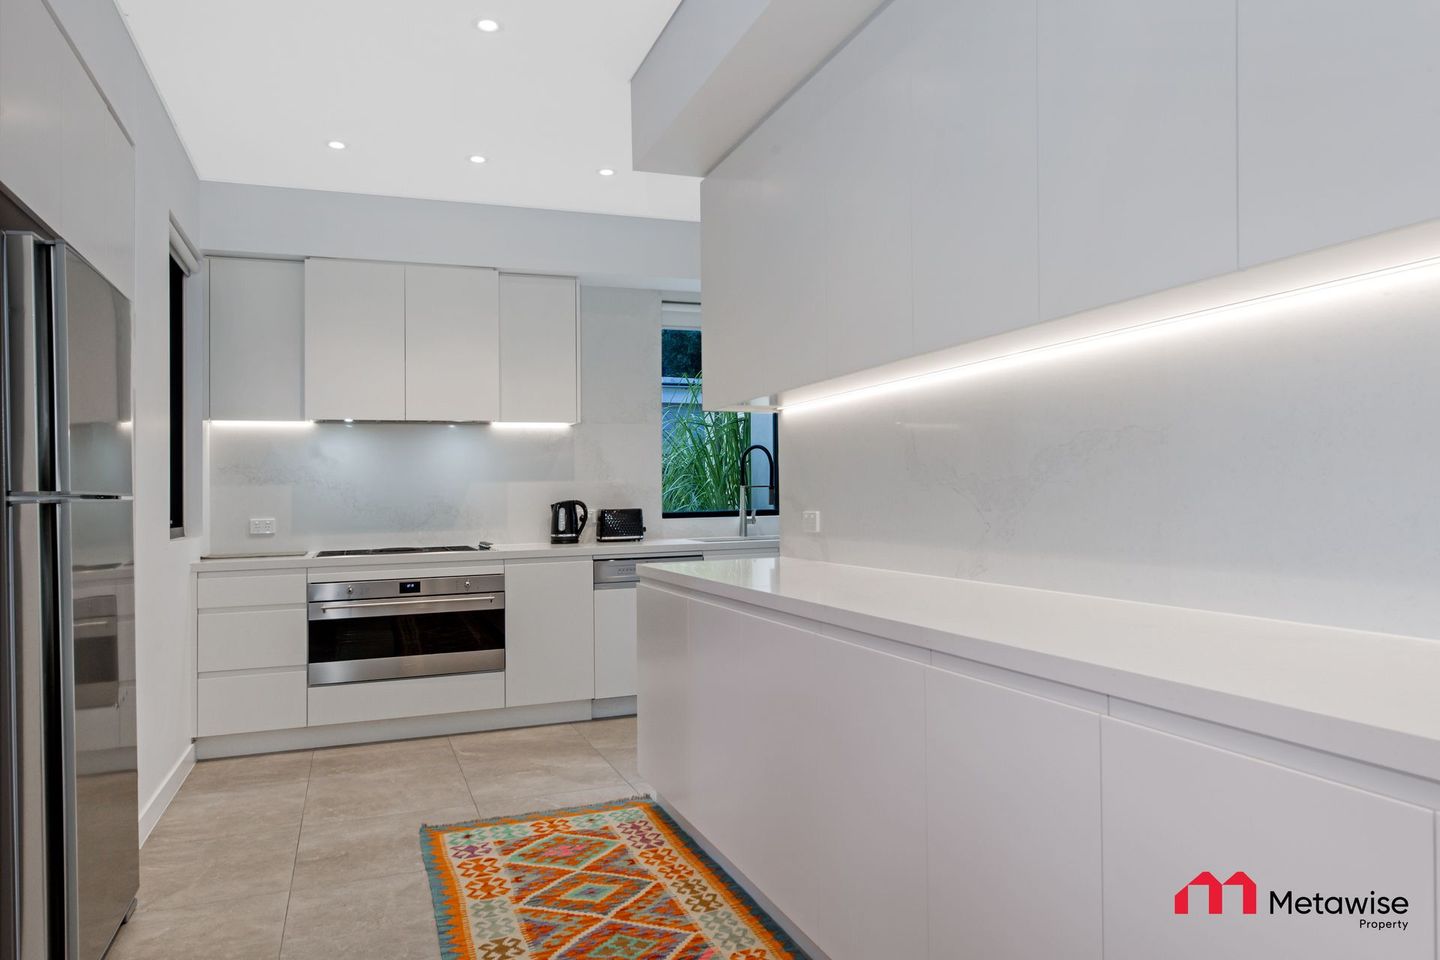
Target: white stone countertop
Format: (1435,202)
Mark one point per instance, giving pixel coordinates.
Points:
(1368,696)
(498,552)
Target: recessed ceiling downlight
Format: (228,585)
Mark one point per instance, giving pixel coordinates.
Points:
(605,172)
(487,26)
(476,158)
(336,144)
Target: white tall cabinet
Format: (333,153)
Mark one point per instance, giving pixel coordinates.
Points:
(452,356)
(354,340)
(549,636)
(539,349)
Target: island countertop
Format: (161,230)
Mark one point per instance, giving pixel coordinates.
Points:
(1370,696)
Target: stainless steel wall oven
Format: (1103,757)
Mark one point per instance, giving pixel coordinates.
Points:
(391,629)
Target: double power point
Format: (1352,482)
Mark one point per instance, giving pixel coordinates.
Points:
(810,521)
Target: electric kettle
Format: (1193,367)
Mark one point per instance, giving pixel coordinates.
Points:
(567,520)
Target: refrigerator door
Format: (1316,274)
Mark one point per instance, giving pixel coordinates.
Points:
(97,654)
(92,372)
(29,658)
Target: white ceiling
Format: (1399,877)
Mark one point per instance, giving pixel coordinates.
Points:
(257,88)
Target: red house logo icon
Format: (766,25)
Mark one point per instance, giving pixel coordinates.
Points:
(1215,892)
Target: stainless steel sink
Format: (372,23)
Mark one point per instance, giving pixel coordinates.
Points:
(733,539)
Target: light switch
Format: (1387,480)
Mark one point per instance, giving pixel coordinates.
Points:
(810,521)
(262,526)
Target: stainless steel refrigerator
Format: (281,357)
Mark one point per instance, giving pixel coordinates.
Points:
(67,679)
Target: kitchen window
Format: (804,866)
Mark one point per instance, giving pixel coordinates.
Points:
(700,450)
(177,398)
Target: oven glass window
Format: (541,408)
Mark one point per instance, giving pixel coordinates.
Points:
(375,638)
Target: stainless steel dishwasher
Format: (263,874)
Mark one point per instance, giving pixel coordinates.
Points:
(615,581)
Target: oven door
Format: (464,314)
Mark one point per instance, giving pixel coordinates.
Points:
(352,641)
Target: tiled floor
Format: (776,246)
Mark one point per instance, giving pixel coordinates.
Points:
(316,854)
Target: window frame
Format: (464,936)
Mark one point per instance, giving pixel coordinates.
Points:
(184,492)
(666,324)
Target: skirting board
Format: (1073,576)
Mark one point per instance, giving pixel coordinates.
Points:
(782,921)
(375,731)
(613,707)
(159,801)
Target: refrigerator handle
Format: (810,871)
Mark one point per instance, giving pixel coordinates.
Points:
(59,368)
(62,567)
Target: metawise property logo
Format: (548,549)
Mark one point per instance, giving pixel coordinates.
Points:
(1372,911)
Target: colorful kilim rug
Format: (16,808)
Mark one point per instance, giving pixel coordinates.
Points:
(618,881)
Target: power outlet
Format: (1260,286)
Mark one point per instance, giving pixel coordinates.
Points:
(810,521)
(262,526)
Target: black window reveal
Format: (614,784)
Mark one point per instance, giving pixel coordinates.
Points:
(177,398)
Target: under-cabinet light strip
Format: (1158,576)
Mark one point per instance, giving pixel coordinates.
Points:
(931,377)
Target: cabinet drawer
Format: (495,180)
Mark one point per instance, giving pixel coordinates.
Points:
(420,697)
(250,702)
(251,639)
(271,589)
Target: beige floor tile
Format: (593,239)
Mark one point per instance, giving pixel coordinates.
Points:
(180,872)
(519,806)
(384,789)
(538,771)
(334,853)
(207,810)
(379,918)
(248,928)
(391,755)
(247,771)
(518,740)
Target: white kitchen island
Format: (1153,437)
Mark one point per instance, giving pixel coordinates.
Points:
(912,766)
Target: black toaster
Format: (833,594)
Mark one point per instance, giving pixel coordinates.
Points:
(620,525)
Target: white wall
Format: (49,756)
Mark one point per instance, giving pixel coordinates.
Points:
(166,186)
(1277,460)
(600,249)
(335,485)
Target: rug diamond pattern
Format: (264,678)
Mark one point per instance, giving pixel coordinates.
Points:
(609,882)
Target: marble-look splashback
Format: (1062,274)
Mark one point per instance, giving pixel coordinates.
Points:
(331,485)
(1279,460)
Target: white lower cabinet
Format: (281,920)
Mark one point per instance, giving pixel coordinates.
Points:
(1013,799)
(798,744)
(615,642)
(417,697)
(252,702)
(663,698)
(1174,808)
(549,632)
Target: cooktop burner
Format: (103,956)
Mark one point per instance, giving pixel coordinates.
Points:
(387,551)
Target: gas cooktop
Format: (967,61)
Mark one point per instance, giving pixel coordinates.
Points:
(387,551)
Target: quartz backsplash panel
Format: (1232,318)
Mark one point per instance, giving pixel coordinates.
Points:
(1279,460)
(332,485)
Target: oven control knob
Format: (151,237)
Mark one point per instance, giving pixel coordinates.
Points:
(349,589)
(467,584)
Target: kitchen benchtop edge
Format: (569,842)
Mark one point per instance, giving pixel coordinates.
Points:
(499,552)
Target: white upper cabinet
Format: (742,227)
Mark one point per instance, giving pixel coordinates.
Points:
(862,146)
(1137,148)
(354,340)
(452,343)
(1339,121)
(257,341)
(973,170)
(32,52)
(62,152)
(539,349)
